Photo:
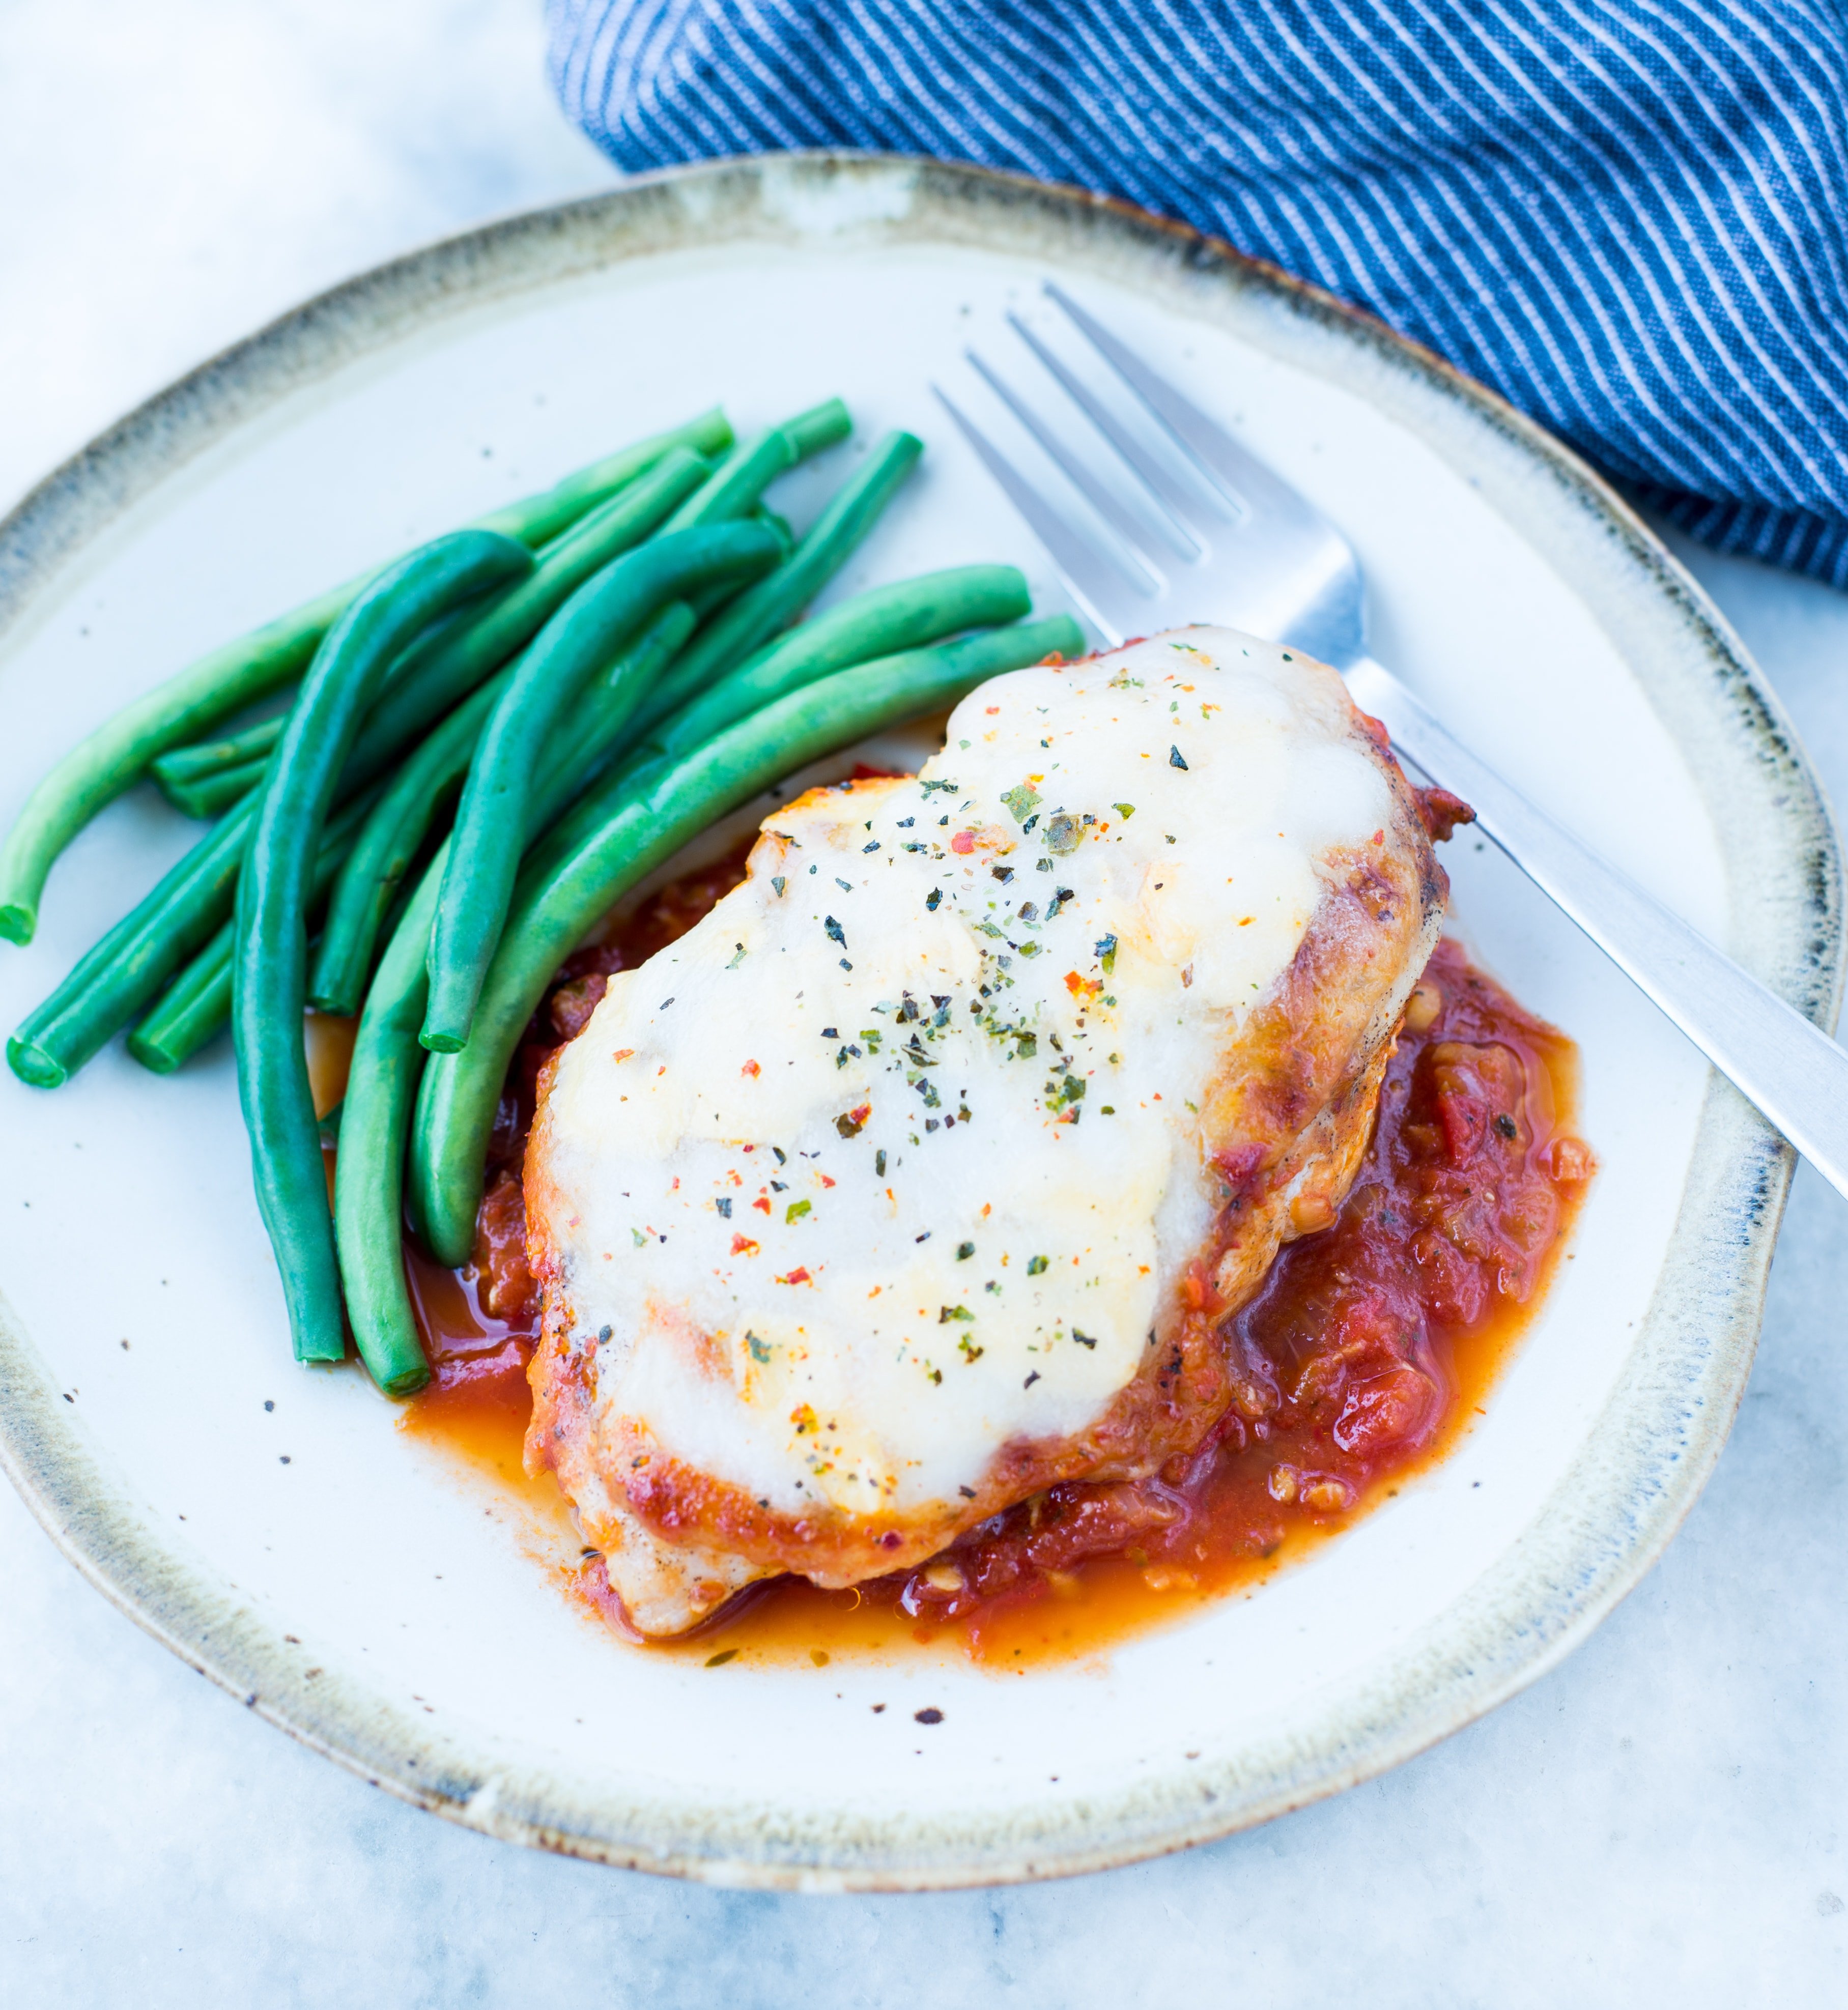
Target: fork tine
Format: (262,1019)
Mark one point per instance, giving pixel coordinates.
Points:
(1079,563)
(1081,477)
(1167,494)
(1204,440)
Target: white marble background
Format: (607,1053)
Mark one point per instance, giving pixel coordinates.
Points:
(1661,1820)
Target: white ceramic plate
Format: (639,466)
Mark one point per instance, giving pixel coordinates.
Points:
(351,1588)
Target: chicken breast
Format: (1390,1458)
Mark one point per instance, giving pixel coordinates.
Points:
(919,1175)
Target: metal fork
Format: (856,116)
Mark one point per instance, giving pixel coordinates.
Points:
(1245,548)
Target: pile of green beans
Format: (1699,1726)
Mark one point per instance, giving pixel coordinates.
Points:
(591,677)
(117,754)
(180,911)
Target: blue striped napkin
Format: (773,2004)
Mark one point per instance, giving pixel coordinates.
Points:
(1628,216)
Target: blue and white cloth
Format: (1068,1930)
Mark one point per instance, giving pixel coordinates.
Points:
(1631,217)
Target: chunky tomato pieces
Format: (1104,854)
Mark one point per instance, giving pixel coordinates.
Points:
(1342,1365)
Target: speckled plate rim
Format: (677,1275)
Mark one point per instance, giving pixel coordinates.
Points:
(1648,1453)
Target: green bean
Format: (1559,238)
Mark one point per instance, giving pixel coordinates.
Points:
(117,980)
(114,756)
(886,619)
(720,502)
(443,666)
(382,1088)
(719,593)
(114,982)
(584,741)
(482,864)
(211,795)
(268,982)
(615,836)
(755,617)
(817,429)
(394,833)
(205,759)
(734,491)
(196,1006)
(180,774)
(708,599)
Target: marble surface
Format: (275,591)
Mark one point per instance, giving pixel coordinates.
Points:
(1660,1820)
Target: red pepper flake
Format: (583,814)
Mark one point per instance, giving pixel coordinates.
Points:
(964,841)
(797,1275)
(762,1201)
(742,1245)
(1083,987)
(623,1054)
(751,1068)
(1379,837)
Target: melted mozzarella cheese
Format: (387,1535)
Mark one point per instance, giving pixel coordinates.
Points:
(890,1160)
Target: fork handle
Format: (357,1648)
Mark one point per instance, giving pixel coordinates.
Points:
(1797,1076)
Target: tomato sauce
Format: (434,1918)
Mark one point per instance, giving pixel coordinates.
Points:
(1370,1347)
